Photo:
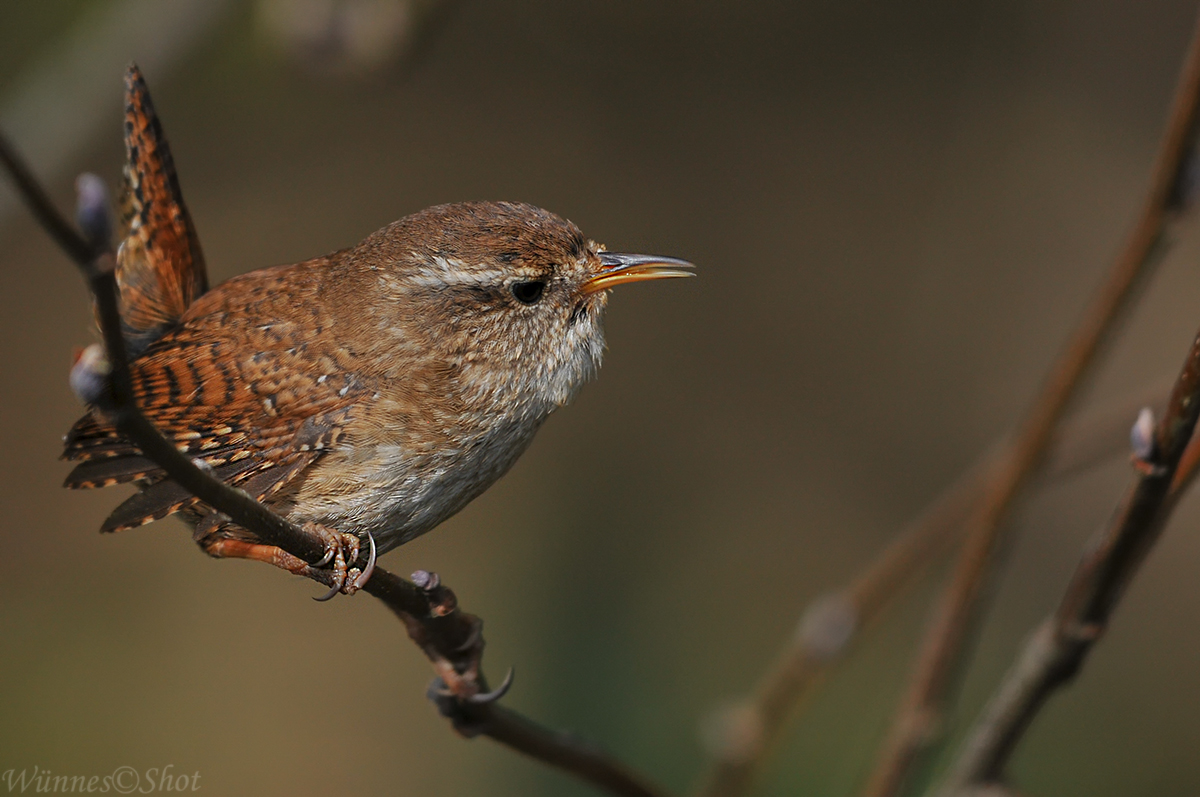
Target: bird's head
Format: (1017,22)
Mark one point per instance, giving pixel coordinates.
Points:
(508,295)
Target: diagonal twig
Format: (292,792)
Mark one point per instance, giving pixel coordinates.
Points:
(826,630)
(831,624)
(450,638)
(1057,649)
(920,712)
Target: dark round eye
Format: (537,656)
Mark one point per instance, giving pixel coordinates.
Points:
(528,292)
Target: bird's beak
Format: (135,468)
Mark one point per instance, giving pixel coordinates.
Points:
(618,269)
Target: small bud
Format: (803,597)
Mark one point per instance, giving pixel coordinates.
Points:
(827,626)
(733,732)
(1141,436)
(89,375)
(426,580)
(92,211)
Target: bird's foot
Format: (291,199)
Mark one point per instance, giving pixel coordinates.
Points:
(338,568)
(342,551)
(466,713)
(440,689)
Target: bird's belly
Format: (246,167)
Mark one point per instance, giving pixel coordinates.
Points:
(396,493)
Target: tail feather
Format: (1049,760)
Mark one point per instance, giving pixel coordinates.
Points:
(163,498)
(160,273)
(153,503)
(108,471)
(160,267)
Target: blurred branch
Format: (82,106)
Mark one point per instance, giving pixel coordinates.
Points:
(1055,653)
(831,624)
(450,638)
(920,713)
(1099,434)
(827,628)
(57,101)
(39,204)
(355,38)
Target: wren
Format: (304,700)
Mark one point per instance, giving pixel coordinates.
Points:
(372,391)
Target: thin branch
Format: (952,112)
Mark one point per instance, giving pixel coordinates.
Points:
(920,712)
(565,751)
(1185,474)
(831,624)
(1056,651)
(39,204)
(826,631)
(76,68)
(450,638)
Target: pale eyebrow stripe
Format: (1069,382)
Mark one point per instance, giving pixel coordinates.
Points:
(440,272)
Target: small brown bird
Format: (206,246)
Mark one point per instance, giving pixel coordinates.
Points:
(373,391)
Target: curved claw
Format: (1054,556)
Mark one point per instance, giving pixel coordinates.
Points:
(327,558)
(339,581)
(497,693)
(369,571)
(334,590)
(360,580)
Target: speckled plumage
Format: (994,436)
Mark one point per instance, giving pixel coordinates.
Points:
(377,389)
(386,415)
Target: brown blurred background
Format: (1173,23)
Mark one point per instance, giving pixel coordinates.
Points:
(898,209)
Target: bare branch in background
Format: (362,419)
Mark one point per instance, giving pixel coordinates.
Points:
(59,100)
(746,733)
(1055,653)
(354,37)
(826,630)
(921,709)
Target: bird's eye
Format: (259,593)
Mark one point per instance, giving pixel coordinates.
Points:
(528,292)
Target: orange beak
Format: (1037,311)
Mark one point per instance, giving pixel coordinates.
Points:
(618,269)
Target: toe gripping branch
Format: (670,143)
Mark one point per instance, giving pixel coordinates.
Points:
(451,639)
(346,577)
(453,642)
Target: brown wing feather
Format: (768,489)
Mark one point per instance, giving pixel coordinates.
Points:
(152,503)
(107,471)
(160,267)
(253,400)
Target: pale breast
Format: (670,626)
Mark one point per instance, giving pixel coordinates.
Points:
(399,479)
